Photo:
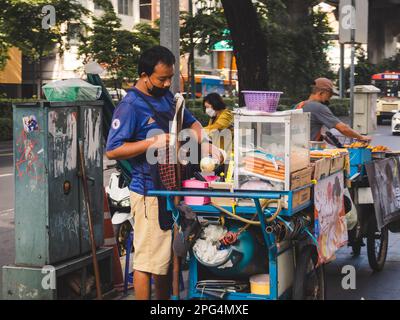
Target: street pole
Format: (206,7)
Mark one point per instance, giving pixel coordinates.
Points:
(341,72)
(169,35)
(352,68)
(192,67)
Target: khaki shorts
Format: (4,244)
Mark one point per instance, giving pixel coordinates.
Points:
(153,246)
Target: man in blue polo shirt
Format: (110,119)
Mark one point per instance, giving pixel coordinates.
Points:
(149,105)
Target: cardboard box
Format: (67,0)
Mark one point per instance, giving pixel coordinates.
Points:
(222,186)
(301,197)
(300,178)
(322,168)
(337,164)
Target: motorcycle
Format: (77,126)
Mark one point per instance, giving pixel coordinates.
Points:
(118,196)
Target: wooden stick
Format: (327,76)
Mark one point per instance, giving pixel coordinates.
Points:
(90,222)
(176,260)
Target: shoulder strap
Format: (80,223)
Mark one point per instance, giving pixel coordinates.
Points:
(300,105)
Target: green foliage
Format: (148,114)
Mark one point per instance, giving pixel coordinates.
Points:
(6,106)
(116,49)
(107,44)
(203,30)
(4,45)
(22,25)
(3,55)
(364,69)
(297,50)
(339,107)
(146,35)
(6,129)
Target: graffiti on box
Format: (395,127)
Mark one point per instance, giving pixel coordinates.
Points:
(30,123)
(330,222)
(27,160)
(384,179)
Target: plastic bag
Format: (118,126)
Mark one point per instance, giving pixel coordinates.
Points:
(351,211)
(71,90)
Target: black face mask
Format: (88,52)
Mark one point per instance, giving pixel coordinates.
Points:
(327,103)
(157,91)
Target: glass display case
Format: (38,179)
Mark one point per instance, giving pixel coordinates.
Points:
(269,148)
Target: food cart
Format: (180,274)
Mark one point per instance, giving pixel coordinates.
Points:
(268,226)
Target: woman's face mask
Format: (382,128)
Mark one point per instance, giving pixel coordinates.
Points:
(211,112)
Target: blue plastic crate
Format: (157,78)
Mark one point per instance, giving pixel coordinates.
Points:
(359,157)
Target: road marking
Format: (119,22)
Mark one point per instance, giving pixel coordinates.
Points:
(6,175)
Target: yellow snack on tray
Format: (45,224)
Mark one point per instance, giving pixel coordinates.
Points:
(358,144)
(380,149)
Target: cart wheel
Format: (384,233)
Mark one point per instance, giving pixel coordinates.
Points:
(356,249)
(354,242)
(309,281)
(377,246)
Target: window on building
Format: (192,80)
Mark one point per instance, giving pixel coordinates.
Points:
(125,7)
(74,31)
(145,9)
(97,6)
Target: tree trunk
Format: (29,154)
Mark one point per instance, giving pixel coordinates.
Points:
(191,59)
(40,80)
(34,77)
(249,45)
(192,75)
(189,76)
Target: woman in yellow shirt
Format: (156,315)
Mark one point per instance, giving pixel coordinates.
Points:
(220,118)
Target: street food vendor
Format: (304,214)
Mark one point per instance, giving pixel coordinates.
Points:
(220,116)
(221,121)
(149,105)
(317,104)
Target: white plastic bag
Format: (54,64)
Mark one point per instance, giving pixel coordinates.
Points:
(71,90)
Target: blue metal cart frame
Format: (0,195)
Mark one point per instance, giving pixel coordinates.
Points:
(244,211)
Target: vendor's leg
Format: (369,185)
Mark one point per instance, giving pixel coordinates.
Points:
(162,285)
(141,283)
(152,245)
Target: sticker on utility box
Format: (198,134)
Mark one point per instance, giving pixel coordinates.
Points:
(30,123)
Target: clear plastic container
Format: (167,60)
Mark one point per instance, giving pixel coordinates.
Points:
(271,147)
(71,90)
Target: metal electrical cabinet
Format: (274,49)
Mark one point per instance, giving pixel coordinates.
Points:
(50,214)
(365,97)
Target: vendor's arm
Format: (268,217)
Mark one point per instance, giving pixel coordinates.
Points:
(325,116)
(123,126)
(133,149)
(349,132)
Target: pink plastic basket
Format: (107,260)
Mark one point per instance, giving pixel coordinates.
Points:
(262,100)
(197,184)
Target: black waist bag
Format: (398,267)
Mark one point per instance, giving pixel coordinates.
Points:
(189,231)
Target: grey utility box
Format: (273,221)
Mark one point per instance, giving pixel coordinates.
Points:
(364,118)
(50,213)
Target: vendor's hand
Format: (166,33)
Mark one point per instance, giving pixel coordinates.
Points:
(366,139)
(160,141)
(217,154)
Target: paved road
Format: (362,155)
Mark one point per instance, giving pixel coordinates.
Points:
(7,243)
(384,285)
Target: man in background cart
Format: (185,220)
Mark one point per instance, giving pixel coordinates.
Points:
(317,104)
